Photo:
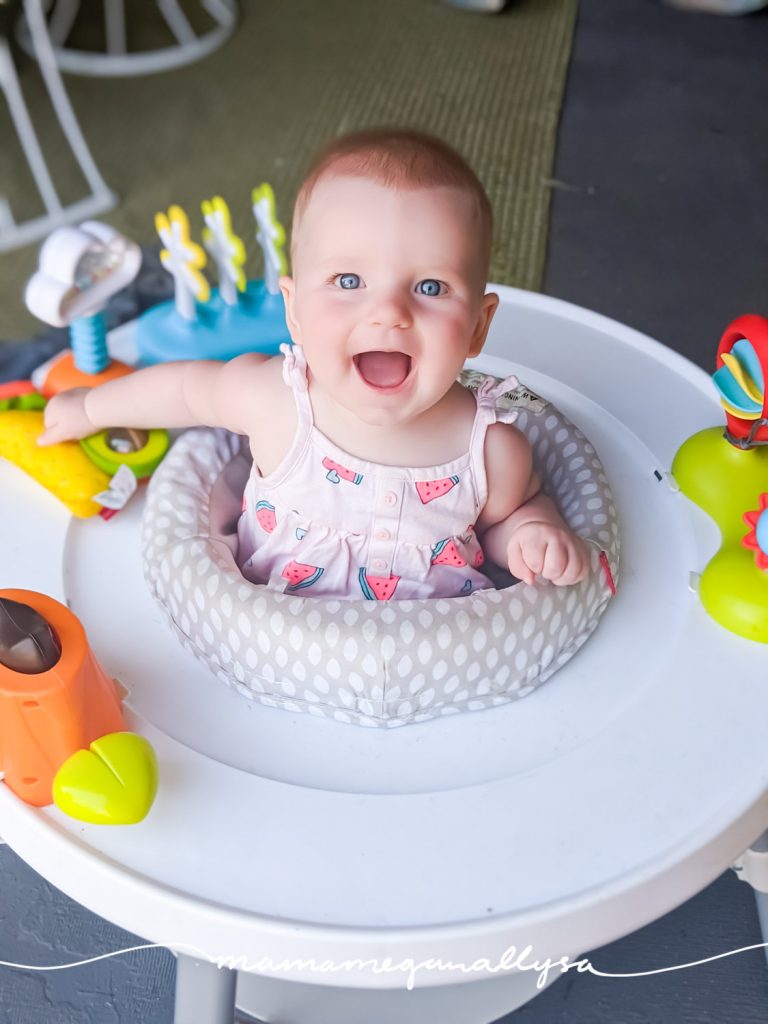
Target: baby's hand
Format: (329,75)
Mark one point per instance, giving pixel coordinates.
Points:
(549,551)
(65,417)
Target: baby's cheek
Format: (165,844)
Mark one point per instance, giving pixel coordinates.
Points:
(456,331)
(325,322)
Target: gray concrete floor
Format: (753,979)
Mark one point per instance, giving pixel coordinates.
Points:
(660,219)
(39,925)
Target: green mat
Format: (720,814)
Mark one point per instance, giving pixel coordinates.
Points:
(295,73)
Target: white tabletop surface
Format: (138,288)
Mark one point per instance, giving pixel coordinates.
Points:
(616,791)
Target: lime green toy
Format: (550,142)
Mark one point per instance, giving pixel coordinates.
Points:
(141,451)
(114,782)
(90,476)
(725,473)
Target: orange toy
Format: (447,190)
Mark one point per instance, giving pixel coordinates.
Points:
(47,716)
(63,375)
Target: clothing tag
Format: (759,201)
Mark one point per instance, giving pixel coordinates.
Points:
(523,398)
(520,397)
(121,487)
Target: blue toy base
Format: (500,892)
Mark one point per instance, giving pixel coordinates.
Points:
(255,324)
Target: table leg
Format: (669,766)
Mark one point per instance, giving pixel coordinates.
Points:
(205,993)
(752,867)
(760,845)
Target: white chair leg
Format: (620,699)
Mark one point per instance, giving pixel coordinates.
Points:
(761,899)
(176,21)
(752,867)
(205,993)
(62,20)
(186,47)
(101,198)
(114,26)
(26,131)
(59,99)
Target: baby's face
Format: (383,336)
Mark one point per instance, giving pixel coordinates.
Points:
(387,295)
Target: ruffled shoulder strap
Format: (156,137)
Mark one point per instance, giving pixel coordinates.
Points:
(489,411)
(489,392)
(294,367)
(295,376)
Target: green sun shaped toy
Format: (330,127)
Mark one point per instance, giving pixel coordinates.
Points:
(725,473)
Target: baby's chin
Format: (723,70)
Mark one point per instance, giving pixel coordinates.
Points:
(383,417)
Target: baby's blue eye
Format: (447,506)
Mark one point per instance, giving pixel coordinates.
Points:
(429,287)
(348,281)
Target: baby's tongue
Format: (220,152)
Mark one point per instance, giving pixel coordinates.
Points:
(383,369)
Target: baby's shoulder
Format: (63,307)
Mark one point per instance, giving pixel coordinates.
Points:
(505,443)
(255,383)
(271,416)
(257,367)
(508,469)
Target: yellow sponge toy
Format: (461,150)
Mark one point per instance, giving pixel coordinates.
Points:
(63,469)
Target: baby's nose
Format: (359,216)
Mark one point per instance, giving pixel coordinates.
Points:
(391,311)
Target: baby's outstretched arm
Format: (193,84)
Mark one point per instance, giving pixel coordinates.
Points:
(183,394)
(520,528)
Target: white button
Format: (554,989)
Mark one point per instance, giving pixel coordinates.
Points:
(383,534)
(390,498)
(378,563)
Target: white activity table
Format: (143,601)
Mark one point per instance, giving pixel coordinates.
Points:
(618,790)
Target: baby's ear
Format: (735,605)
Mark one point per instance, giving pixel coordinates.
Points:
(488,306)
(288,289)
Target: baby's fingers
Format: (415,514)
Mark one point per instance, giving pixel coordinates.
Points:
(518,564)
(533,555)
(52,435)
(555,560)
(55,429)
(576,568)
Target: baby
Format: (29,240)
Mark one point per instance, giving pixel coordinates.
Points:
(374,473)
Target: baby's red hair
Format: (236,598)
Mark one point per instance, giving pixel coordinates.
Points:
(399,158)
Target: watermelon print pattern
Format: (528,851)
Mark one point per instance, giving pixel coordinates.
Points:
(265,516)
(336,472)
(377,588)
(445,552)
(423,536)
(428,490)
(300,575)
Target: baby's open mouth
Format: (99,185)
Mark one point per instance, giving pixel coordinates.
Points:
(383,369)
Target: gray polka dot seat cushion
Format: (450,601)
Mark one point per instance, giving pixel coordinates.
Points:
(367,662)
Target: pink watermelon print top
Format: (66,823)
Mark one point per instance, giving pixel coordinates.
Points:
(327,524)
